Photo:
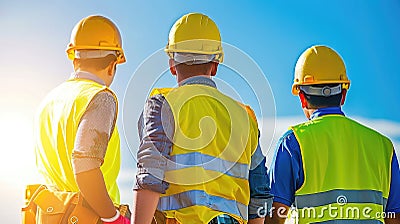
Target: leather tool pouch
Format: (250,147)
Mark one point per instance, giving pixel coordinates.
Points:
(45,206)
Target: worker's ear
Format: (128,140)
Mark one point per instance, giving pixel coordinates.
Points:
(214,68)
(303,100)
(172,66)
(344,92)
(75,63)
(112,68)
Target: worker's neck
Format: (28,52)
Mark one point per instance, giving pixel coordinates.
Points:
(308,112)
(100,74)
(181,78)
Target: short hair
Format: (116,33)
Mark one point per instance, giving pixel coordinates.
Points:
(95,63)
(315,102)
(188,71)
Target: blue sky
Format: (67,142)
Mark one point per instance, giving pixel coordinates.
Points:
(34,35)
(273,34)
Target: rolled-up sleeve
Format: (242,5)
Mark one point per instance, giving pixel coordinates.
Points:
(156,127)
(260,196)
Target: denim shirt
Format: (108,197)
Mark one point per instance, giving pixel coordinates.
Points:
(156,129)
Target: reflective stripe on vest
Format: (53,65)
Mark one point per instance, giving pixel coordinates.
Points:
(207,162)
(340,197)
(57,123)
(347,167)
(197,197)
(208,170)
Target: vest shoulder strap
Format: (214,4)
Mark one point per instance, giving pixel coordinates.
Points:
(162,91)
(165,91)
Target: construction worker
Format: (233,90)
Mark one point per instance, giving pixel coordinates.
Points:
(332,169)
(77,144)
(199,159)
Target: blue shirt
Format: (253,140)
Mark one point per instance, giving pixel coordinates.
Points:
(287,174)
(156,129)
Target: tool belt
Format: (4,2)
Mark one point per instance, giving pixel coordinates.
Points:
(47,206)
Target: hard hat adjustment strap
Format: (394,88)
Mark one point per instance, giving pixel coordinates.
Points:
(94,53)
(321,91)
(193,58)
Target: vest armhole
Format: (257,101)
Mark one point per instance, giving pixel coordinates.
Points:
(106,90)
(113,94)
(116,109)
(302,159)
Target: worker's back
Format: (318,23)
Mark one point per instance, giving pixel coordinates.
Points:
(346,165)
(214,139)
(57,123)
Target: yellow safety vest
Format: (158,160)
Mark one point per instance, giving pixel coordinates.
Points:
(214,139)
(57,122)
(347,171)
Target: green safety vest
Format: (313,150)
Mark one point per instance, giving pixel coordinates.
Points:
(214,139)
(347,171)
(57,122)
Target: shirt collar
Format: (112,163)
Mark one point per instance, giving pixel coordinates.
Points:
(88,76)
(198,80)
(325,111)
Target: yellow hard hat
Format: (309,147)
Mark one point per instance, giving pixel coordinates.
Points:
(96,33)
(319,65)
(195,33)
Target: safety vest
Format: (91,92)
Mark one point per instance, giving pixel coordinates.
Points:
(213,142)
(57,122)
(347,171)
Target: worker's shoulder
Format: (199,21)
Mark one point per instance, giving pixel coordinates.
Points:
(105,96)
(156,102)
(157,95)
(160,91)
(288,146)
(248,109)
(288,136)
(368,129)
